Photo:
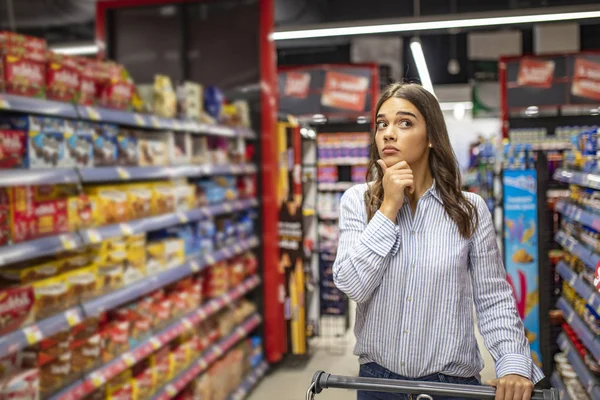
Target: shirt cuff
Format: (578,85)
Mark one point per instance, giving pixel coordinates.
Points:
(382,236)
(518,364)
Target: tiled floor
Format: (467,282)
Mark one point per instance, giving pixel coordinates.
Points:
(333,357)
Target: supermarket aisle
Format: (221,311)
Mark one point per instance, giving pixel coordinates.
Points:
(291,384)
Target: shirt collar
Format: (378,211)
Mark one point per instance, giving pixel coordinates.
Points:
(434,192)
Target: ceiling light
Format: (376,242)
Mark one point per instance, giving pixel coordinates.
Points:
(532,110)
(432,25)
(595,111)
(417,52)
(81,50)
(362,120)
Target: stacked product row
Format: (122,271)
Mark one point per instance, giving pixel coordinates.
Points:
(578,364)
(28,68)
(30,212)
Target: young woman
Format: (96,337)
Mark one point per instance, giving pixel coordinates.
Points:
(415,253)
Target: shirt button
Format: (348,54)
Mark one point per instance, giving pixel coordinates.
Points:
(413,266)
(406,331)
(402,363)
(409,298)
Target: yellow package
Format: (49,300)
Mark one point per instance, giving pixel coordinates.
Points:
(51,296)
(174,252)
(45,270)
(110,276)
(84,283)
(163,198)
(120,387)
(76,261)
(110,205)
(139,239)
(144,381)
(80,212)
(155,258)
(135,264)
(139,197)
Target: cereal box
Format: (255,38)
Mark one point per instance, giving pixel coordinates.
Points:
(80,145)
(13,148)
(106,145)
(62,78)
(16,308)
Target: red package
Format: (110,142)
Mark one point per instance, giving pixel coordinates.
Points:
(116,340)
(16,308)
(162,312)
(143,380)
(117,94)
(87,88)
(63,78)
(24,75)
(4,217)
(13,148)
(33,217)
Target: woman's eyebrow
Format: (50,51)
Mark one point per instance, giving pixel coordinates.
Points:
(407,113)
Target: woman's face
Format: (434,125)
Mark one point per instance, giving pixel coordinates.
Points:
(401,132)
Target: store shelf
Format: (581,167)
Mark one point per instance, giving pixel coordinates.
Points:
(39,247)
(583,332)
(59,109)
(208,358)
(105,373)
(30,105)
(583,373)
(21,338)
(589,258)
(95,235)
(578,214)
(152,283)
(109,174)
(249,382)
(127,118)
(590,180)
(581,287)
(22,177)
(335,186)
(559,385)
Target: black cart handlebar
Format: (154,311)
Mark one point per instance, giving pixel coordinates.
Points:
(423,390)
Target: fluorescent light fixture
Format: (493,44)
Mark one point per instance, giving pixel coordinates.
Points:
(532,110)
(433,25)
(362,120)
(459,111)
(451,105)
(595,111)
(417,52)
(81,49)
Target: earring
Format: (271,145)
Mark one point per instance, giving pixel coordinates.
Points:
(430,146)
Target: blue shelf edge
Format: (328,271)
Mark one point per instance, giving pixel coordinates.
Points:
(578,325)
(589,258)
(559,385)
(585,376)
(578,178)
(581,287)
(17,252)
(249,382)
(24,177)
(22,104)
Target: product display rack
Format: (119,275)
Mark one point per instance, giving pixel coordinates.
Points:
(22,338)
(559,385)
(588,380)
(249,382)
(210,356)
(98,377)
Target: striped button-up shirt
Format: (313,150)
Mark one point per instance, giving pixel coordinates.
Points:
(415,281)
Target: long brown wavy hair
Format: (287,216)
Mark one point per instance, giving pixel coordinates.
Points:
(442,160)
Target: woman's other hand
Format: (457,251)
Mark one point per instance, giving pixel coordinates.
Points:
(396,179)
(512,387)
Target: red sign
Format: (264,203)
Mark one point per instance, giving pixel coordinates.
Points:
(297,84)
(586,79)
(345,91)
(597,277)
(536,73)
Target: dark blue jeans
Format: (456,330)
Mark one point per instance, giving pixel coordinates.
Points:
(373,370)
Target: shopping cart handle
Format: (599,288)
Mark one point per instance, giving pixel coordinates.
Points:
(322,380)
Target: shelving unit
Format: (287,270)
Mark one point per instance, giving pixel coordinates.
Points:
(578,178)
(209,357)
(589,257)
(24,337)
(249,383)
(559,385)
(98,377)
(583,332)
(588,380)
(581,287)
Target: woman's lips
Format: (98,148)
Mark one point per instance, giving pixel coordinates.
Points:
(390,151)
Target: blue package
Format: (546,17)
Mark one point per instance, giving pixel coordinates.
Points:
(80,145)
(128,148)
(213,101)
(47,144)
(106,145)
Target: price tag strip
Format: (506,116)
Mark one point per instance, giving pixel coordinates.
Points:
(33,334)
(73,318)
(68,242)
(94,236)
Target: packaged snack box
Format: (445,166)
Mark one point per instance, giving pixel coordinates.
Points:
(63,78)
(152,149)
(128,148)
(52,295)
(106,145)
(23,385)
(80,145)
(16,308)
(111,205)
(13,148)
